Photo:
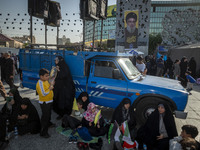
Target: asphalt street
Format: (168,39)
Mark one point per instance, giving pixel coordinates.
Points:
(60,142)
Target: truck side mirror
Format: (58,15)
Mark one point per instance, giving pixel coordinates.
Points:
(117,74)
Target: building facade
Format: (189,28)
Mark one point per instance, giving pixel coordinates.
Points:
(63,40)
(158,12)
(25,39)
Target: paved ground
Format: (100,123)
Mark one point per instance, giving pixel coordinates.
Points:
(60,142)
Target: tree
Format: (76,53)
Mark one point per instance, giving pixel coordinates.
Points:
(154,41)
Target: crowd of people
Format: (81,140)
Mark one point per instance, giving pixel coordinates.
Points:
(158,133)
(181,70)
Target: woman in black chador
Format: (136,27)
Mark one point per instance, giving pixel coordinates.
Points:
(28,120)
(64,89)
(124,112)
(11,108)
(85,98)
(183,68)
(192,67)
(159,128)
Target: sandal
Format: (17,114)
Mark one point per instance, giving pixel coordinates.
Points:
(71,139)
(75,139)
(80,145)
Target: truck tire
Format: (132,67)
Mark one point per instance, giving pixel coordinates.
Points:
(145,107)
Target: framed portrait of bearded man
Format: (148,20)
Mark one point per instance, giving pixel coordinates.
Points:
(131,19)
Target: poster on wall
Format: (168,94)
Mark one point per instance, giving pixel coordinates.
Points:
(131,19)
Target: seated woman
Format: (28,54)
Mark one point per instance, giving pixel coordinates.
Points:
(28,120)
(74,120)
(11,108)
(85,98)
(159,128)
(122,113)
(88,121)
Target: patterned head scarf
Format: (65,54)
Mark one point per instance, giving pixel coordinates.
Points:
(88,114)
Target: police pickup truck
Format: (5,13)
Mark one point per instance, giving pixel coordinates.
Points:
(108,77)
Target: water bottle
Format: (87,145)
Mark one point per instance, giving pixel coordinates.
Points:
(7,122)
(7,134)
(16,132)
(144,146)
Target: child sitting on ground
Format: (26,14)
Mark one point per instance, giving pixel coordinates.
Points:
(74,120)
(88,121)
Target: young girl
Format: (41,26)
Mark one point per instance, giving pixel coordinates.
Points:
(88,121)
(122,113)
(85,98)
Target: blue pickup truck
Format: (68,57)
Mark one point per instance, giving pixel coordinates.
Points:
(108,77)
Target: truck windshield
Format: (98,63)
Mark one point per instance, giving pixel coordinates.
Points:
(129,69)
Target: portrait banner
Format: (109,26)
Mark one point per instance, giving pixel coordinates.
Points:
(131,19)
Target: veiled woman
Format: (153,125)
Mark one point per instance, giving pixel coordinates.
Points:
(11,108)
(183,68)
(124,112)
(85,98)
(28,120)
(64,89)
(159,128)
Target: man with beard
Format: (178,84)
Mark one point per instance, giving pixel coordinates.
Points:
(131,32)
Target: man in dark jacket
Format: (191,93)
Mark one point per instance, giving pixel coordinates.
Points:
(9,70)
(2,64)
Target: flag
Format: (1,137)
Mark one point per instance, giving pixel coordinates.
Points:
(112,131)
(97,117)
(75,106)
(126,137)
(117,133)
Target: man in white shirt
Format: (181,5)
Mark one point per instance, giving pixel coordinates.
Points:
(140,65)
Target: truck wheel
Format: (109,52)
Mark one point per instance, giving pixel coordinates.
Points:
(145,107)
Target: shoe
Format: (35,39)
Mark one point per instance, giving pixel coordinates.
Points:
(75,139)
(45,135)
(71,139)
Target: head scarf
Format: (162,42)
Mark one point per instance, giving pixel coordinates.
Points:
(25,101)
(121,114)
(88,114)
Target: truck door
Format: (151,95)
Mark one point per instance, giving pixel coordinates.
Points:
(102,87)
